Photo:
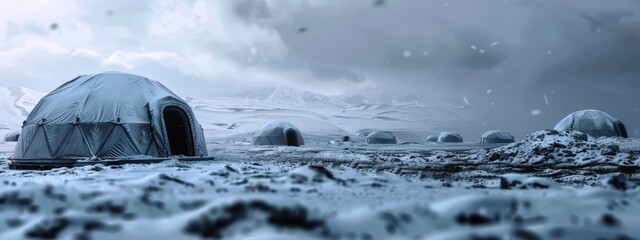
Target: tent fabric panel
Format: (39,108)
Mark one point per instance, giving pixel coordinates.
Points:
(74,146)
(96,134)
(28,132)
(56,135)
(153,150)
(140,135)
(90,98)
(199,141)
(38,147)
(117,145)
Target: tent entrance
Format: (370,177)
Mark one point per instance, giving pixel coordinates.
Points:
(622,131)
(292,138)
(178,129)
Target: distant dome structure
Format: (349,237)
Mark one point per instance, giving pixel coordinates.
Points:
(497,136)
(381,137)
(594,123)
(449,137)
(432,138)
(111,115)
(12,136)
(279,133)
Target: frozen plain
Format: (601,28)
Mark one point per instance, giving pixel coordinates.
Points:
(550,185)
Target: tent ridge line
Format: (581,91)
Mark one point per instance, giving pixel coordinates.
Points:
(84,102)
(46,139)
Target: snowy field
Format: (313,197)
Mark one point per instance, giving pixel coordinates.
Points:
(346,191)
(550,185)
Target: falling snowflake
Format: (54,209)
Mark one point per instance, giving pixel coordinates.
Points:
(549,52)
(546,99)
(465,100)
(406,53)
(426,53)
(474,47)
(481,50)
(493,44)
(536,112)
(493,103)
(489,91)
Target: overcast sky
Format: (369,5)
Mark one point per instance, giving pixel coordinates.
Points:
(522,64)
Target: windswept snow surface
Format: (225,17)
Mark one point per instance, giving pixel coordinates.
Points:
(339,191)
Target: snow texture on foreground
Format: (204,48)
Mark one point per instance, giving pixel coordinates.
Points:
(345,191)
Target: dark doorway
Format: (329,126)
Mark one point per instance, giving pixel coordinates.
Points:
(621,129)
(292,138)
(178,131)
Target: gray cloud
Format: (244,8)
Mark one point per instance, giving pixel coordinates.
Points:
(579,53)
(334,73)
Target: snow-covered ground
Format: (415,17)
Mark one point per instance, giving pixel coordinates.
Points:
(551,185)
(350,191)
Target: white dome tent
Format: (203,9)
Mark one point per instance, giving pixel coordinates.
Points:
(594,123)
(109,115)
(278,133)
(12,136)
(449,137)
(381,137)
(496,136)
(432,138)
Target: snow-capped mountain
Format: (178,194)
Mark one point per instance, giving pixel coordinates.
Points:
(359,99)
(298,97)
(285,95)
(15,104)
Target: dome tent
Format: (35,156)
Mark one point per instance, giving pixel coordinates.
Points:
(109,115)
(12,137)
(495,136)
(449,137)
(594,123)
(432,138)
(278,133)
(382,137)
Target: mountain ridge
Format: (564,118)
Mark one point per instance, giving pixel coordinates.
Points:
(298,97)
